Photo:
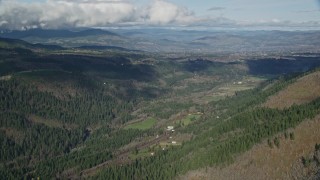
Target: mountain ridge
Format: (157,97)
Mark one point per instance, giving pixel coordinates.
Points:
(43,33)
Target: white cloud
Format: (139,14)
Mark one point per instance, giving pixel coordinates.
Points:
(55,14)
(3,23)
(162,12)
(89,13)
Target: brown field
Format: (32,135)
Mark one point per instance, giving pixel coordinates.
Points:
(304,90)
(263,162)
(60,91)
(51,122)
(13,134)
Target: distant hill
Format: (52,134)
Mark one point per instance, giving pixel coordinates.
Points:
(103,48)
(10,43)
(70,38)
(166,40)
(261,40)
(41,33)
(16,43)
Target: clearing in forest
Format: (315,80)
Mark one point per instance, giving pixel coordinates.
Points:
(143,125)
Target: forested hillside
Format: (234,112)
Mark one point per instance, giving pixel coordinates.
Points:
(120,114)
(241,124)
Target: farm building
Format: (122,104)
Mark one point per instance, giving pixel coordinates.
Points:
(169,128)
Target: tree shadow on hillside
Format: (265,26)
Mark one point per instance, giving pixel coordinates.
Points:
(89,73)
(282,66)
(112,67)
(199,65)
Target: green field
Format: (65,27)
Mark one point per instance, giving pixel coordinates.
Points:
(143,125)
(140,154)
(189,119)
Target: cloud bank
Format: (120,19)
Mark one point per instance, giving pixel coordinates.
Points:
(90,13)
(54,14)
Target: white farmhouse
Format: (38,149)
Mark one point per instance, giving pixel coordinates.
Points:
(170,128)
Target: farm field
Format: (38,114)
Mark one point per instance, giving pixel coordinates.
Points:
(144,125)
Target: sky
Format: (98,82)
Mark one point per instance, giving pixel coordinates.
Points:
(53,14)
